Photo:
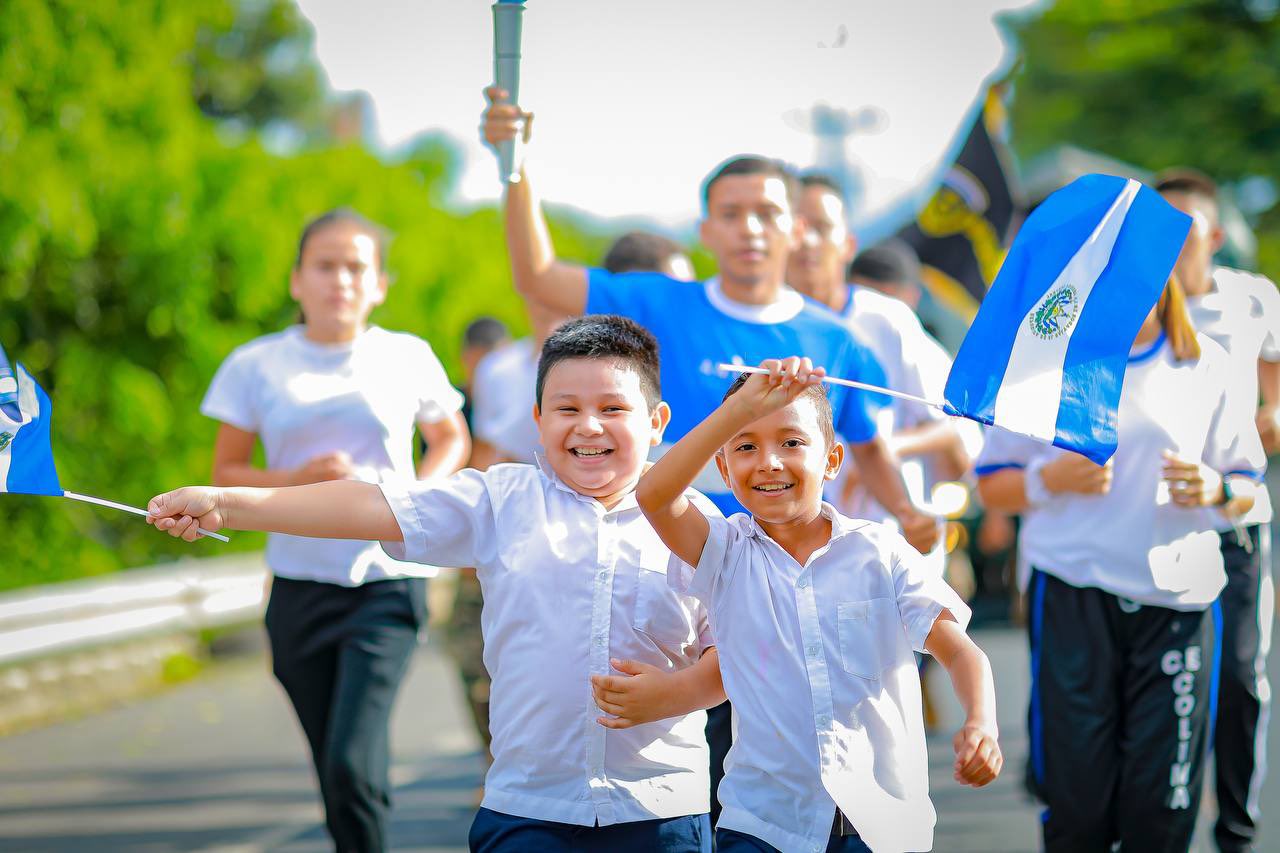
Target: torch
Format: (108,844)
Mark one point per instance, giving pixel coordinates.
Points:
(507,16)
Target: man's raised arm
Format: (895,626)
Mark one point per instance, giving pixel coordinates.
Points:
(541,279)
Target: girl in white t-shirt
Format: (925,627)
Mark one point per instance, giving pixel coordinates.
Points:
(335,398)
(1124,574)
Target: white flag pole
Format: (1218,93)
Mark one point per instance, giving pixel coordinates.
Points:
(133,509)
(742,368)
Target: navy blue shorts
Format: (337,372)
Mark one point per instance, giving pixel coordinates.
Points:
(732,841)
(495,832)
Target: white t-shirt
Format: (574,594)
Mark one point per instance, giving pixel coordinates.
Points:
(502,400)
(1242,313)
(567,585)
(818,663)
(1133,541)
(304,399)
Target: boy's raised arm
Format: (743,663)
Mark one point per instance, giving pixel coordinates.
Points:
(541,278)
(337,509)
(660,493)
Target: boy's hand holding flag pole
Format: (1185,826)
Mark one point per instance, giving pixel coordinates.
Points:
(1046,354)
(26,451)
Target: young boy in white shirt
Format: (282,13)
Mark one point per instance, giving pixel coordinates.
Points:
(572,576)
(817,616)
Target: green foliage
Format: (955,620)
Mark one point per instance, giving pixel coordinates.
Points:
(1157,83)
(140,242)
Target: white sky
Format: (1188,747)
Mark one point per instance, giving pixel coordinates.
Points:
(637,101)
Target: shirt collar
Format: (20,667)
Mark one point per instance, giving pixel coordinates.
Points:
(783,309)
(544,468)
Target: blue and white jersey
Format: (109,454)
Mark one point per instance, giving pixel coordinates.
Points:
(697,327)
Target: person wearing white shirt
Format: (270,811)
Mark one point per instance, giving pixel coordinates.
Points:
(817,617)
(1125,570)
(1241,312)
(574,580)
(335,398)
(921,436)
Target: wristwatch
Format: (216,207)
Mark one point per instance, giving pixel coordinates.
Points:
(1227,494)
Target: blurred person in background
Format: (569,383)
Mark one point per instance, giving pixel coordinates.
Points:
(644,251)
(1125,577)
(462,639)
(1241,312)
(337,398)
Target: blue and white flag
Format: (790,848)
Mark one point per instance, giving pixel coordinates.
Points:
(26,455)
(1046,355)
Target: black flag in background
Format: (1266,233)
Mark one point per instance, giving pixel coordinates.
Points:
(962,233)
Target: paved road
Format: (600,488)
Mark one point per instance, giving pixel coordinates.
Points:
(219,765)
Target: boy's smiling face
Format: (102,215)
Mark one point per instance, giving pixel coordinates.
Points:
(778,465)
(597,427)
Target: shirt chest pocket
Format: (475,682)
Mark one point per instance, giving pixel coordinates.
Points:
(661,612)
(866,635)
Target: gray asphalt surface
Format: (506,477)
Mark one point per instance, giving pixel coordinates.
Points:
(218,764)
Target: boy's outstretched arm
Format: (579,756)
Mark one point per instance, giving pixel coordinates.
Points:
(338,509)
(660,492)
(978,757)
(645,693)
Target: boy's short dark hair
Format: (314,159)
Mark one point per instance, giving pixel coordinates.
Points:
(816,393)
(345,216)
(747,164)
(640,251)
(890,262)
(1186,180)
(823,180)
(604,336)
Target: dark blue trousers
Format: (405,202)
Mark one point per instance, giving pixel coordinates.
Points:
(340,653)
(495,832)
(732,841)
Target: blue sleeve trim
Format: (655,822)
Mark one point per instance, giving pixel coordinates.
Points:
(984,470)
(1256,476)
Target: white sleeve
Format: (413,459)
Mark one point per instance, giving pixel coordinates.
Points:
(446,522)
(921,591)
(1233,445)
(234,395)
(1269,298)
(714,568)
(1004,449)
(437,398)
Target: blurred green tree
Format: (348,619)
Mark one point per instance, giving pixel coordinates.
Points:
(1157,83)
(140,242)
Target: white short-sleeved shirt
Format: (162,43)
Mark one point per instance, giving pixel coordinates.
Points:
(502,400)
(304,399)
(1133,541)
(567,585)
(818,662)
(1242,313)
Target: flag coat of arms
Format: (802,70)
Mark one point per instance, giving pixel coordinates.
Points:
(26,454)
(1047,351)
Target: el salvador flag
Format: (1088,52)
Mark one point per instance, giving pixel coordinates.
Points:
(26,455)
(1046,355)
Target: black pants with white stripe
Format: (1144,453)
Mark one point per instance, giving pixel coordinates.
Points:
(1240,741)
(1121,718)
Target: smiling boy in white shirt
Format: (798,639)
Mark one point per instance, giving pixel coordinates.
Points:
(573,575)
(816,617)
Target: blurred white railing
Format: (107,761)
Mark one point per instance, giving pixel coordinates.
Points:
(189,595)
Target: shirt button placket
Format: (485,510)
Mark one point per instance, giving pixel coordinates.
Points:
(598,655)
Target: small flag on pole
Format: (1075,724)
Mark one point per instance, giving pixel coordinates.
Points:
(26,451)
(26,455)
(1047,351)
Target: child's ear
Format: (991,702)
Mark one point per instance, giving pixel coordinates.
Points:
(835,458)
(537,415)
(723,467)
(659,417)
